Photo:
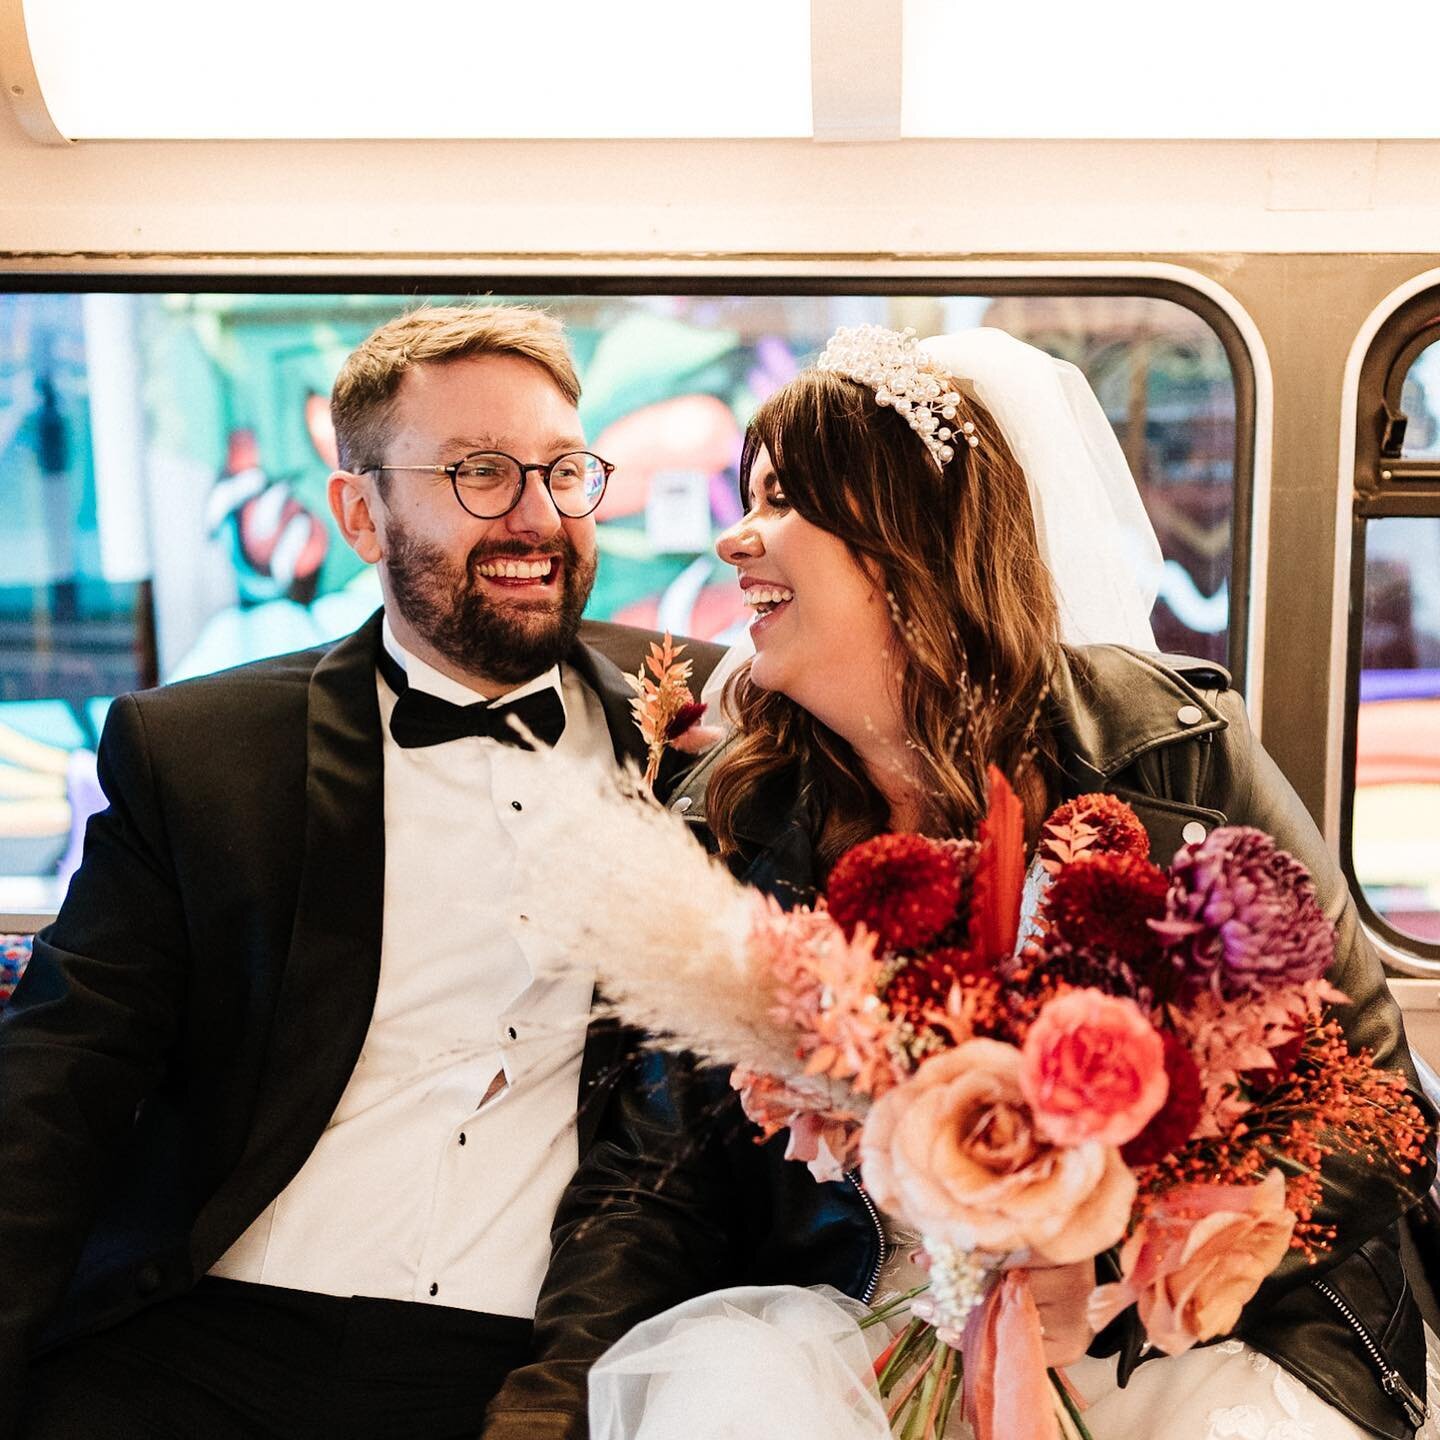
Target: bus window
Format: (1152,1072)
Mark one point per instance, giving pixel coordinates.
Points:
(164,455)
(1395,831)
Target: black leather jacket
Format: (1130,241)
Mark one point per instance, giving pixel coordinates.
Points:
(674,1198)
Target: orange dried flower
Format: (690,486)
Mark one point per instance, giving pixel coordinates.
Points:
(662,700)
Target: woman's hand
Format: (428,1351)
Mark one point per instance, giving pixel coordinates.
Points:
(1060,1293)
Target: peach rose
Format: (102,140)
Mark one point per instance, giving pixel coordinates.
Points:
(1093,1068)
(1196,1259)
(954,1151)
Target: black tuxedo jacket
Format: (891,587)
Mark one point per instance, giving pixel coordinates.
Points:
(188,1023)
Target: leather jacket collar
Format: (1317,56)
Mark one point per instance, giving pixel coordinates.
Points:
(1098,741)
(1167,704)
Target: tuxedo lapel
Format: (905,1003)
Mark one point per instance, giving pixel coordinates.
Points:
(332,969)
(608,682)
(615,692)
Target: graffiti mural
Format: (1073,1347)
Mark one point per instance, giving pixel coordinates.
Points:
(163,461)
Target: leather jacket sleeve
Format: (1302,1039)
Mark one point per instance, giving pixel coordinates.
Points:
(649,1220)
(1362,1197)
(1227,777)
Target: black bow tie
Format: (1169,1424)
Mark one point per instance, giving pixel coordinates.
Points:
(423,719)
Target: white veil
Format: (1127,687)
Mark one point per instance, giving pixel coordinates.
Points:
(1094,534)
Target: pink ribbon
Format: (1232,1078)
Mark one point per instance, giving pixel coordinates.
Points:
(1007,1390)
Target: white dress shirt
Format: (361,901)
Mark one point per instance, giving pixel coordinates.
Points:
(417,1190)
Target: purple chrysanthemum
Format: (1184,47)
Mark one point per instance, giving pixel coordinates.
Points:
(1242,917)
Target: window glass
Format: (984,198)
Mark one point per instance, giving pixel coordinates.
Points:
(14,956)
(1165,382)
(1420,402)
(163,460)
(1395,834)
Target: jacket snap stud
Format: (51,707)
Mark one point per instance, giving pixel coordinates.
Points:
(1193,833)
(682,804)
(1189,714)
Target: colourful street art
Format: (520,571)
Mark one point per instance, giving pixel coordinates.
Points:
(163,460)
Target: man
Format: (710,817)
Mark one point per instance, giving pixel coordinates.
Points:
(285,1111)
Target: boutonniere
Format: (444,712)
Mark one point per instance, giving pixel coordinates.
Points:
(664,707)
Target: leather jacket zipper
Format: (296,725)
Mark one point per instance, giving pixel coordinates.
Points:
(1391,1380)
(853,1176)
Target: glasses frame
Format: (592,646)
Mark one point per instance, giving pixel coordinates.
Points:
(452,473)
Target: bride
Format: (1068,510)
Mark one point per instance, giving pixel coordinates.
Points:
(934,540)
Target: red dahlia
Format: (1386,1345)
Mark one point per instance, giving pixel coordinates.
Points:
(1092,825)
(904,888)
(1103,903)
(1174,1123)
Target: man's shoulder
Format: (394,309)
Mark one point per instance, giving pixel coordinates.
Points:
(244,697)
(626,646)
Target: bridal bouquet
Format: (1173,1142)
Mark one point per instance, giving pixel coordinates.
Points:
(1146,1061)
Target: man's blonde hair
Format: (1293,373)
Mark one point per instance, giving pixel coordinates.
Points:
(362,401)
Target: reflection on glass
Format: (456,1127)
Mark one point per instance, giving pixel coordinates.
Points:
(1163,377)
(1420,401)
(14,956)
(163,461)
(1395,838)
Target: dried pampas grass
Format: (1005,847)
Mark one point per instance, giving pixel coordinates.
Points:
(662,923)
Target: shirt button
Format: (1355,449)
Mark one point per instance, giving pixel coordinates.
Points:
(1193,833)
(434,1289)
(1189,714)
(516,805)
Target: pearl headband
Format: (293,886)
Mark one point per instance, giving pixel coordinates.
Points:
(897,370)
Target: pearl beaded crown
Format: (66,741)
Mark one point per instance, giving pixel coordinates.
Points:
(891,363)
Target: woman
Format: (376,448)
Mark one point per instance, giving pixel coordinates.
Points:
(910,520)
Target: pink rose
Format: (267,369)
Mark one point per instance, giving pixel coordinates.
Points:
(954,1152)
(1093,1068)
(1196,1259)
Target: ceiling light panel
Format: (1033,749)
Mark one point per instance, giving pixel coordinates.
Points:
(424,69)
(1123,69)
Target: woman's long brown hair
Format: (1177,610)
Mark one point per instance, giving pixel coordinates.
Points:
(971,599)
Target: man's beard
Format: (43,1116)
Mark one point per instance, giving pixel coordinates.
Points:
(471,630)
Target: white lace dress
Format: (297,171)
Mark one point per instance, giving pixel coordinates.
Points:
(782,1363)
(1225,1391)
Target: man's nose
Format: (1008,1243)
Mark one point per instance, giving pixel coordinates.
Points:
(536,513)
(739,543)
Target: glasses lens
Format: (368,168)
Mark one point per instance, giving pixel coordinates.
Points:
(487,483)
(577,482)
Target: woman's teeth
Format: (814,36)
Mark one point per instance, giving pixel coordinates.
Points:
(765,598)
(517,569)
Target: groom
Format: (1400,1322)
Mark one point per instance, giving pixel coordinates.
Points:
(286,1102)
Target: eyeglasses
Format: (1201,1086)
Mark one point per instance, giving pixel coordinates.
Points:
(489,483)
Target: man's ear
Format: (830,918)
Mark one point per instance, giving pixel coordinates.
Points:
(352,500)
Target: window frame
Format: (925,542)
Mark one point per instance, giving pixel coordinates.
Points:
(1385,485)
(1194,291)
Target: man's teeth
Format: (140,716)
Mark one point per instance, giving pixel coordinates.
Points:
(758,595)
(516,569)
